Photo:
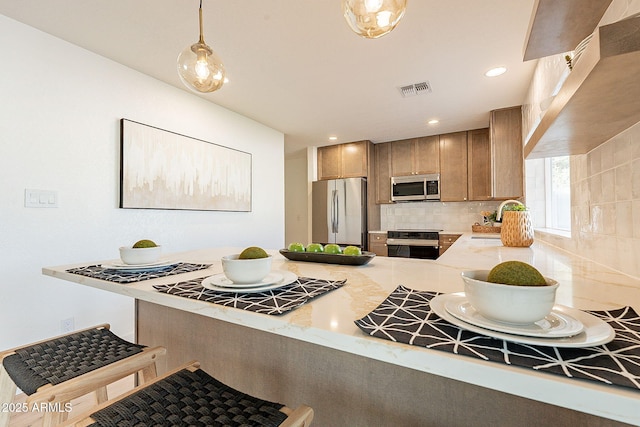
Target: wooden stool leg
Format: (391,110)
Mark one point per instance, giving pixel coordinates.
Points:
(101,395)
(7,394)
(52,418)
(147,373)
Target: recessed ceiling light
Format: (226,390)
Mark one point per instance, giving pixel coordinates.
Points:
(433,121)
(495,72)
(333,138)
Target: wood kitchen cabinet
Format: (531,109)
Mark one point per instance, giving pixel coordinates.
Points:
(343,160)
(415,156)
(446,240)
(479,165)
(507,153)
(453,167)
(378,243)
(382,168)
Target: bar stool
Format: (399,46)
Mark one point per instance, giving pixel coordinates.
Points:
(52,372)
(188,396)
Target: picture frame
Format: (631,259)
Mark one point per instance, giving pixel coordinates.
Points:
(160,169)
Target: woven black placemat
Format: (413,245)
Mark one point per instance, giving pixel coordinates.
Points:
(406,317)
(120,276)
(276,301)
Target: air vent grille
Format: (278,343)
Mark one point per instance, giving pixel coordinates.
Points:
(415,89)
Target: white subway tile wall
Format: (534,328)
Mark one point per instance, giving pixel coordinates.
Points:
(448,216)
(605,204)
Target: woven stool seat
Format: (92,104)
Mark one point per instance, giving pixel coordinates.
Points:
(63,368)
(64,358)
(189,396)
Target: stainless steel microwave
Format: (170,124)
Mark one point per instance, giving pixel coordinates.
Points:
(415,188)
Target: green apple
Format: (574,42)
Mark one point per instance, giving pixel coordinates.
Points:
(352,250)
(314,247)
(332,248)
(296,247)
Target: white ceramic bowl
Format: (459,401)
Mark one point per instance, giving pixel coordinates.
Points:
(245,270)
(509,303)
(133,256)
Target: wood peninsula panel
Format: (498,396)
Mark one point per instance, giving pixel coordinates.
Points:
(559,26)
(599,99)
(342,388)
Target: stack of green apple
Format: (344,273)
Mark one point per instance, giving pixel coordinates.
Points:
(330,248)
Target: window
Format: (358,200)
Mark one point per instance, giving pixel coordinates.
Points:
(558,193)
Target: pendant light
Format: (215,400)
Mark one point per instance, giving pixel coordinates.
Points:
(199,67)
(373,18)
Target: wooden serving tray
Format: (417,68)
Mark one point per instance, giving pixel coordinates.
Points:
(485,229)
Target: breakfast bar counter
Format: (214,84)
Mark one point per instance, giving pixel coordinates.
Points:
(315,353)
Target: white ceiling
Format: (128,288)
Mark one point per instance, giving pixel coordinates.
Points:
(295,66)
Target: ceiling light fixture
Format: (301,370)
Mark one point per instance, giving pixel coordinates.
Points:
(433,121)
(373,18)
(495,72)
(199,67)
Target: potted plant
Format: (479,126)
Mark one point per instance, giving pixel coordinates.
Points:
(491,218)
(517,229)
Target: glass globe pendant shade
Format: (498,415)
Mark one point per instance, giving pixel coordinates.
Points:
(373,18)
(199,67)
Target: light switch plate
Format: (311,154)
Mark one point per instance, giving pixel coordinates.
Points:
(40,198)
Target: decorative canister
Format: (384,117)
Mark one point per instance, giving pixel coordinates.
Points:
(517,229)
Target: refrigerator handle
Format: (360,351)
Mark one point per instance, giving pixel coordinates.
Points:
(334,211)
(337,208)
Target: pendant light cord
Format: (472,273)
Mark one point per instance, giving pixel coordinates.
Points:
(200,16)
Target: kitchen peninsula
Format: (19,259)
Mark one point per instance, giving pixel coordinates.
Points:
(316,355)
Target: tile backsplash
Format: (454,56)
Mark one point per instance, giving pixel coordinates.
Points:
(448,216)
(605,204)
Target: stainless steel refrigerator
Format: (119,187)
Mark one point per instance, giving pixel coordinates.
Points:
(339,212)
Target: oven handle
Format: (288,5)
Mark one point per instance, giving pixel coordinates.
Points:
(413,242)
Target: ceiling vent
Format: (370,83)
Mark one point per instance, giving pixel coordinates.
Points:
(415,89)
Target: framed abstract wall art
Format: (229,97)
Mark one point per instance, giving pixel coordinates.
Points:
(160,169)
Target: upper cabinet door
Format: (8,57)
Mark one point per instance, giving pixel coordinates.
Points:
(453,167)
(427,151)
(329,162)
(354,159)
(402,154)
(507,153)
(479,167)
(382,171)
(343,160)
(415,156)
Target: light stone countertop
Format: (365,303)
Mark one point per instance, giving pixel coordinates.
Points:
(329,319)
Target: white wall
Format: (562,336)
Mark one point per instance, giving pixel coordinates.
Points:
(300,172)
(60,107)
